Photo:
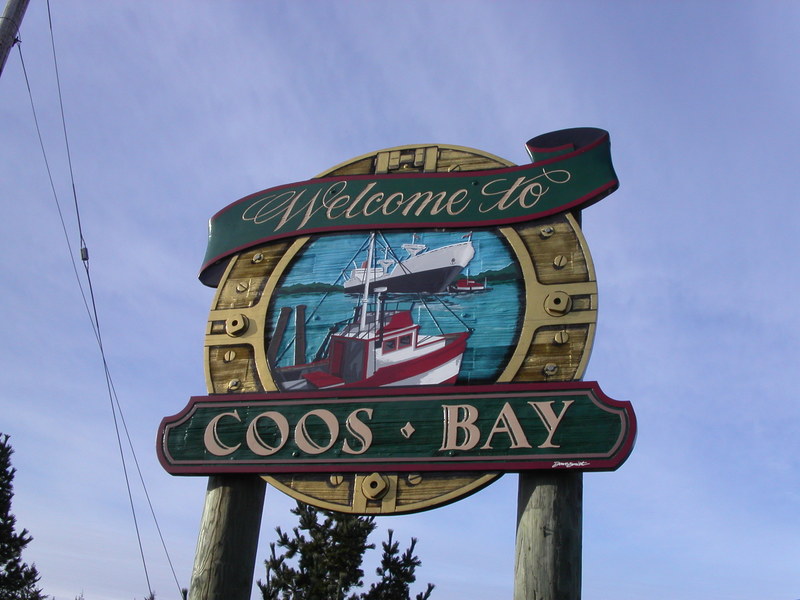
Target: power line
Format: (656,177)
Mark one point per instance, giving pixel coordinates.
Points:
(91,309)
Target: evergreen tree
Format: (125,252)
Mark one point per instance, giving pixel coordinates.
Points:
(17,580)
(397,573)
(327,550)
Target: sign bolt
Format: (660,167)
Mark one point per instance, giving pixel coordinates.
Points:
(236,326)
(234,384)
(561,337)
(257,258)
(414,478)
(560,261)
(558,304)
(336,480)
(374,486)
(229,356)
(547,232)
(550,369)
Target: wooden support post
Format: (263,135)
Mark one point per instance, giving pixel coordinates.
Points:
(549,532)
(225,558)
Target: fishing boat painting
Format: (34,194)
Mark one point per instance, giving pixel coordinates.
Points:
(392,331)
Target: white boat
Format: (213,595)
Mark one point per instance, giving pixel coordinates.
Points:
(424,270)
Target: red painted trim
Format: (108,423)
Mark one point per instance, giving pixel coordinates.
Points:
(483,467)
(554,149)
(601,139)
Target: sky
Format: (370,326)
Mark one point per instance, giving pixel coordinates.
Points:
(176,109)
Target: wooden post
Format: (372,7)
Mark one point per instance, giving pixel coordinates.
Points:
(549,532)
(9,26)
(225,558)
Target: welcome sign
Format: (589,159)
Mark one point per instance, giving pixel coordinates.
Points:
(395,333)
(571,169)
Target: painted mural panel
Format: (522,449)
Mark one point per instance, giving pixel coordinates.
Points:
(402,308)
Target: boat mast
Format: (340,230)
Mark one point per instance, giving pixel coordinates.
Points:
(365,298)
(9,26)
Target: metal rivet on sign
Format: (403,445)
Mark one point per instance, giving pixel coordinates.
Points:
(229,356)
(561,337)
(550,369)
(546,232)
(560,261)
(336,480)
(257,258)
(414,478)
(242,286)
(234,384)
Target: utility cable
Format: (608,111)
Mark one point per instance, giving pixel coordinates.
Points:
(93,314)
(89,310)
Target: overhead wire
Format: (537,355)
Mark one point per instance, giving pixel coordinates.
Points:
(92,311)
(83,295)
(110,383)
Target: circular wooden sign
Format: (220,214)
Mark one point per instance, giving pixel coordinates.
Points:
(528,299)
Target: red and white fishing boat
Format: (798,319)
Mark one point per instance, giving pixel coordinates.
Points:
(378,347)
(465,285)
(387,350)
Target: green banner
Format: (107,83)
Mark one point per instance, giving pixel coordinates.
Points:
(503,427)
(572,168)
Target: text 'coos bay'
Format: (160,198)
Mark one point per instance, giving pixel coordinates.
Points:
(319,430)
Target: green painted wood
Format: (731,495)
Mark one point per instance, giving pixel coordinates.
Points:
(522,427)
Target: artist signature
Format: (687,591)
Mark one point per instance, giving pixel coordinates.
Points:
(569,465)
